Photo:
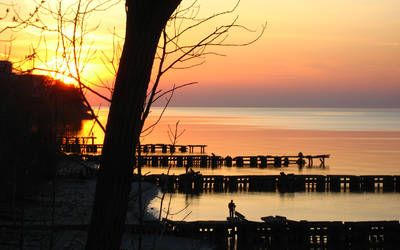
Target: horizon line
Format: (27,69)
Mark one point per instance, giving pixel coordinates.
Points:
(259,106)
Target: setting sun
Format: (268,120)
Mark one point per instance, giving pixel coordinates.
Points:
(59,71)
(283,114)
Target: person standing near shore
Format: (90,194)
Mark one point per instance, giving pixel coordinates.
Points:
(231,207)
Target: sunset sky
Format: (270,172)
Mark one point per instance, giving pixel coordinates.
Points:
(313,53)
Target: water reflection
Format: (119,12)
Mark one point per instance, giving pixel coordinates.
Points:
(242,170)
(360,142)
(295,206)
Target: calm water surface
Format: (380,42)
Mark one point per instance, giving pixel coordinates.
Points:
(360,141)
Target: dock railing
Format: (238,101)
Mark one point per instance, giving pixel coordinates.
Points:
(198,183)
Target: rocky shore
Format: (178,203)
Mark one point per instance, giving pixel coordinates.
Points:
(68,201)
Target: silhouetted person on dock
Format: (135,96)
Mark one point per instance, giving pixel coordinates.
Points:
(231,207)
(286,161)
(190,171)
(300,161)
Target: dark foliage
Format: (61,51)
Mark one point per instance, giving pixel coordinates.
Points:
(33,111)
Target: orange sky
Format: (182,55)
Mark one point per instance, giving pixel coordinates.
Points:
(313,53)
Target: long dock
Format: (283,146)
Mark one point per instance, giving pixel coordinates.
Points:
(166,155)
(169,148)
(213,161)
(279,233)
(197,183)
(287,234)
(86,145)
(78,145)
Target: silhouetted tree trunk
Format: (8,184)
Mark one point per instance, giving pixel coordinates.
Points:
(145,21)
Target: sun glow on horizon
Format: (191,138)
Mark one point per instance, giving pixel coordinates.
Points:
(329,53)
(58,76)
(58,69)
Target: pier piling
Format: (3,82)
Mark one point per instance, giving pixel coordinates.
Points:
(281,183)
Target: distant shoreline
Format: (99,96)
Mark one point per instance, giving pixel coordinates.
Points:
(271,107)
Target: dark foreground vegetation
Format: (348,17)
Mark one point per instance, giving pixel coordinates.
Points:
(34,109)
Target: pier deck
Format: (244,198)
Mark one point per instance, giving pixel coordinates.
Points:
(287,234)
(86,145)
(165,155)
(213,161)
(242,234)
(197,183)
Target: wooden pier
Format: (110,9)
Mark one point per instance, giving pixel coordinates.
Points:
(78,145)
(86,145)
(165,155)
(242,234)
(287,234)
(213,161)
(169,148)
(197,183)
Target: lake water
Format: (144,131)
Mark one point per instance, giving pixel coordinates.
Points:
(359,141)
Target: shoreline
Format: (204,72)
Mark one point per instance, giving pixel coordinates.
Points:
(72,189)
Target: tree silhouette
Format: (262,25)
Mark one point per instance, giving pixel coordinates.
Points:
(149,45)
(145,22)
